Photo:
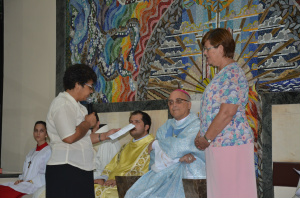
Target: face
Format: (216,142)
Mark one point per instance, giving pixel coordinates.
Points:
(213,54)
(140,129)
(40,134)
(179,109)
(85,91)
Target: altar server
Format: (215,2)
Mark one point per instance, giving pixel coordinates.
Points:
(34,167)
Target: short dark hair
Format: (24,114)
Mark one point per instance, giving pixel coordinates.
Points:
(220,36)
(40,122)
(78,73)
(145,118)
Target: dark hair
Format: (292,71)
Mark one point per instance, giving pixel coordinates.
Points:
(78,73)
(40,122)
(220,36)
(145,118)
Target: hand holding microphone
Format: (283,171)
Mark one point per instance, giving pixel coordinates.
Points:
(92,117)
(89,101)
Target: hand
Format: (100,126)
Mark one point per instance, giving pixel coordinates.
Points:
(188,158)
(196,140)
(150,147)
(200,142)
(18,181)
(104,136)
(110,183)
(91,119)
(96,127)
(99,181)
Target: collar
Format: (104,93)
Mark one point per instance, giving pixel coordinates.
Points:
(133,140)
(38,148)
(179,122)
(67,95)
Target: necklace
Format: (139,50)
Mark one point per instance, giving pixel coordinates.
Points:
(35,153)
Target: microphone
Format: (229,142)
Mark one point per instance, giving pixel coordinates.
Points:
(89,101)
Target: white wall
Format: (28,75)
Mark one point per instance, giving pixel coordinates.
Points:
(29,75)
(285,140)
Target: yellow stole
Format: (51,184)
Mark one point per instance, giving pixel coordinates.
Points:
(132,160)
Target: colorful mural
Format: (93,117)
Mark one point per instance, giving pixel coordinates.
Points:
(142,50)
(111,36)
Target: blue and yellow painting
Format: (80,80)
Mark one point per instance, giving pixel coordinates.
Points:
(142,49)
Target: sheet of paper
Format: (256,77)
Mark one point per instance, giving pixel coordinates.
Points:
(121,131)
(102,129)
(297,194)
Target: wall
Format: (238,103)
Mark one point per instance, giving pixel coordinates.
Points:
(285,140)
(29,75)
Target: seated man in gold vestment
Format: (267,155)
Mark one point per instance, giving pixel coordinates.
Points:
(132,160)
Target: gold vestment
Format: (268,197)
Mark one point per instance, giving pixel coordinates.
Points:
(132,160)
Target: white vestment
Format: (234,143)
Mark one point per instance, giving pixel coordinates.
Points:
(35,172)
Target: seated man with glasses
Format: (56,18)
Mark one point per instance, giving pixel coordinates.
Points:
(173,154)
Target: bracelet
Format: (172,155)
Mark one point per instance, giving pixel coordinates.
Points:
(99,137)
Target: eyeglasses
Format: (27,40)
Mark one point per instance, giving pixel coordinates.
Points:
(90,86)
(177,101)
(207,49)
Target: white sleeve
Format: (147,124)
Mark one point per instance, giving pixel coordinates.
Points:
(39,179)
(162,161)
(26,164)
(65,120)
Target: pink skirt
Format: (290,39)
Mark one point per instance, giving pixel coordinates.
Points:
(230,172)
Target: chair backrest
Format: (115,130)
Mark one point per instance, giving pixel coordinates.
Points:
(284,174)
(124,183)
(195,188)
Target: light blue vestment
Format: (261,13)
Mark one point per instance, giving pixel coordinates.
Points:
(168,182)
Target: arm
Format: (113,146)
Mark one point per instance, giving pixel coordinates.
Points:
(82,129)
(110,182)
(18,181)
(99,181)
(150,148)
(109,167)
(25,166)
(39,178)
(184,143)
(222,119)
(98,137)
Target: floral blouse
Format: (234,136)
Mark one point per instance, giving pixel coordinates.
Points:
(228,86)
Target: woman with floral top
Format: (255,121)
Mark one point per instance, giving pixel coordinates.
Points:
(225,134)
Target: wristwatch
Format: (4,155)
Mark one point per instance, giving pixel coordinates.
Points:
(208,140)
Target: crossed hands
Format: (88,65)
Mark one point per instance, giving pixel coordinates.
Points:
(110,182)
(200,142)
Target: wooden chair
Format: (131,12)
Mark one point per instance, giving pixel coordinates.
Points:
(195,188)
(124,183)
(284,174)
